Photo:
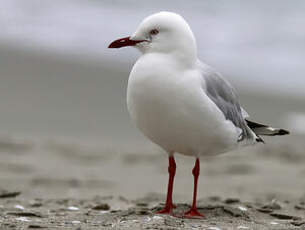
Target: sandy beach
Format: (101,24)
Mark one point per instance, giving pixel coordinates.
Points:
(74,185)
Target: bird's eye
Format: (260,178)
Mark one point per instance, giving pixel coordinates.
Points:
(154,32)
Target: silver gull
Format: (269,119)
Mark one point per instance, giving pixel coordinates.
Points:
(180,103)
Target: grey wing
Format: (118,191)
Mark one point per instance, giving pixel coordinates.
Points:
(225,97)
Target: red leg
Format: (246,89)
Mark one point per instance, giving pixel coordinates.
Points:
(193,212)
(169,206)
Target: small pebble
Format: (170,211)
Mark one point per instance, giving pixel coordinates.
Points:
(197,226)
(142,204)
(73,208)
(142,211)
(75,222)
(213,228)
(28,214)
(233,211)
(274,223)
(284,216)
(35,226)
(242,227)
(35,204)
(157,218)
(20,207)
(231,200)
(242,208)
(104,206)
(265,210)
(103,212)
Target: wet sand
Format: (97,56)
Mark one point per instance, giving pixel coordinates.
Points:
(67,184)
(97,213)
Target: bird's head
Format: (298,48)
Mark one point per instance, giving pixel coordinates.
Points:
(163,32)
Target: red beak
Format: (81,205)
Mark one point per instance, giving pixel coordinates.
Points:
(124,42)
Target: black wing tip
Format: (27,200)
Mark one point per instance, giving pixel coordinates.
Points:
(283,132)
(279,132)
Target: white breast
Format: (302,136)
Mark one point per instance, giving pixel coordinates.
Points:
(168,105)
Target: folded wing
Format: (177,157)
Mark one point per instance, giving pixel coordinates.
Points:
(225,97)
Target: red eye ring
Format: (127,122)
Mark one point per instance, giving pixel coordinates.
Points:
(154,32)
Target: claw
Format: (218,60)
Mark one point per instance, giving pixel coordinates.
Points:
(193,213)
(167,210)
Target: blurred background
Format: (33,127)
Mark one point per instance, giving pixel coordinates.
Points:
(64,126)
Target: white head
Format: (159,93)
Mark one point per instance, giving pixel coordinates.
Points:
(163,32)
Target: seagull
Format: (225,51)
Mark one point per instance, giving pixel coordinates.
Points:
(181,103)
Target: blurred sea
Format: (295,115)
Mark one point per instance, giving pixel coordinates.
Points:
(59,79)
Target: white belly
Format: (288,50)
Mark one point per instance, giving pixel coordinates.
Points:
(175,113)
